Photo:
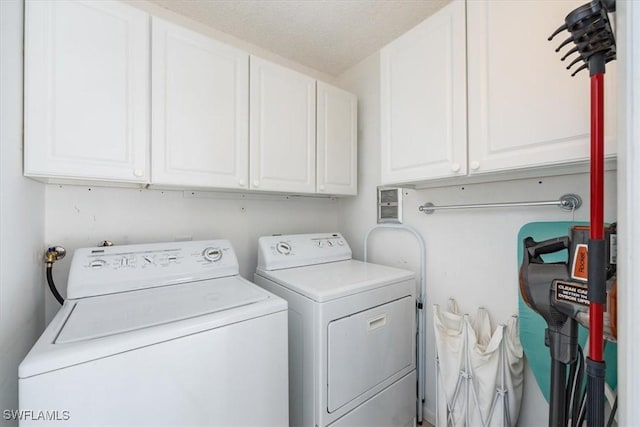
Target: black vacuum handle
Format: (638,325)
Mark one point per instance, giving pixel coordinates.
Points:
(535,249)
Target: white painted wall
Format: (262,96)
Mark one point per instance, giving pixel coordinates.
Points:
(471,255)
(21,219)
(80,216)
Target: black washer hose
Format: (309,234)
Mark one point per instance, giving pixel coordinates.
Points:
(52,285)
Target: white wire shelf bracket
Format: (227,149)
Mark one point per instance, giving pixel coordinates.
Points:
(568,202)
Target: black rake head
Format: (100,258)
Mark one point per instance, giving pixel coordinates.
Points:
(592,35)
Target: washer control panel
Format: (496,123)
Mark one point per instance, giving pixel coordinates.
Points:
(104,270)
(297,250)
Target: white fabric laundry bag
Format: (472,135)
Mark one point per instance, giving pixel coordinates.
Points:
(479,371)
(511,377)
(484,361)
(450,347)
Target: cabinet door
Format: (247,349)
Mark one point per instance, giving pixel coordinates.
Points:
(200,110)
(525,109)
(423,100)
(282,129)
(86,90)
(337,148)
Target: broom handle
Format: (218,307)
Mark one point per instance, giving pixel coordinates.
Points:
(597,277)
(597,203)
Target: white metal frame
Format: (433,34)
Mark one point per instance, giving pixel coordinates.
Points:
(420,310)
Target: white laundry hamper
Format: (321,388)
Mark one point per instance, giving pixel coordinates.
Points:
(479,372)
(450,352)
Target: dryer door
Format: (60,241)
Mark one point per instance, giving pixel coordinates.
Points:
(367,348)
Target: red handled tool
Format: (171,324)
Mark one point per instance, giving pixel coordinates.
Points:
(595,44)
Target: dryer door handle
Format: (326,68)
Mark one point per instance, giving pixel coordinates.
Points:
(377,322)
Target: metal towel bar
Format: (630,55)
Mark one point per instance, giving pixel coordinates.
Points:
(569,202)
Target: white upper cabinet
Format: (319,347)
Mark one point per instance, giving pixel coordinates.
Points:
(525,109)
(282,129)
(423,100)
(86,91)
(114,96)
(200,107)
(337,145)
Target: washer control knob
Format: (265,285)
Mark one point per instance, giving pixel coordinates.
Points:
(283,248)
(212,254)
(319,243)
(341,242)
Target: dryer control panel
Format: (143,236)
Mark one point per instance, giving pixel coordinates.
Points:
(112,269)
(297,250)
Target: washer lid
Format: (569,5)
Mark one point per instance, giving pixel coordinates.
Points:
(92,328)
(117,313)
(325,282)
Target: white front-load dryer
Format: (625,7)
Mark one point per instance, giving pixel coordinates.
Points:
(351,332)
(159,335)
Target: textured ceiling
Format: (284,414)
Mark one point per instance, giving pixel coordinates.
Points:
(326,35)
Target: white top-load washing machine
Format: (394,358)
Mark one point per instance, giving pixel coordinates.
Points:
(351,332)
(156,335)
